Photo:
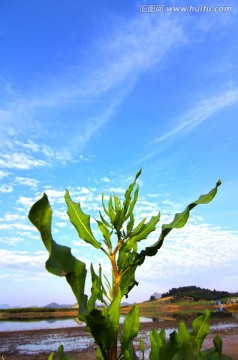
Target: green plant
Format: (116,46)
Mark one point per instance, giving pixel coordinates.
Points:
(120,238)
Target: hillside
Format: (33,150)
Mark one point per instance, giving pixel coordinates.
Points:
(197,293)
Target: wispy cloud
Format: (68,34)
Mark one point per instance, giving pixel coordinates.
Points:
(27,181)
(4,174)
(6,188)
(202,112)
(20,161)
(206,247)
(121,57)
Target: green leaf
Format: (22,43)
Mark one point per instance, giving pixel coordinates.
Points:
(99,354)
(62,356)
(131,327)
(201,328)
(105,232)
(138,228)
(81,221)
(142,348)
(104,207)
(102,329)
(217,341)
(128,281)
(130,224)
(157,341)
(111,210)
(97,289)
(61,262)
(132,204)
(179,221)
(144,231)
(114,310)
(105,222)
(130,354)
(41,216)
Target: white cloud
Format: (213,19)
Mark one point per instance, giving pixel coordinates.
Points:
(30,145)
(10,240)
(117,190)
(201,113)
(105,179)
(11,217)
(6,188)
(18,259)
(189,249)
(61,224)
(25,201)
(55,196)
(20,161)
(4,174)
(27,181)
(17,226)
(121,57)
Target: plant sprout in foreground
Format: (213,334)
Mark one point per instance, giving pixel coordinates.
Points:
(120,238)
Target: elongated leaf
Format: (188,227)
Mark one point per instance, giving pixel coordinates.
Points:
(217,341)
(117,203)
(145,230)
(62,356)
(132,204)
(157,342)
(130,224)
(131,327)
(138,228)
(97,290)
(99,355)
(104,207)
(128,281)
(130,189)
(105,222)
(142,348)
(201,328)
(130,354)
(102,330)
(81,221)
(61,262)
(129,205)
(41,216)
(114,310)
(111,210)
(105,232)
(104,327)
(179,221)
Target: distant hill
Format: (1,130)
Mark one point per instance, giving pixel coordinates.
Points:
(198,293)
(6,306)
(54,305)
(124,304)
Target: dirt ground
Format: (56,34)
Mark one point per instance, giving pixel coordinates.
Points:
(13,339)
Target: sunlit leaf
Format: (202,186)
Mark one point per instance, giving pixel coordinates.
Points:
(179,221)
(130,328)
(61,262)
(81,221)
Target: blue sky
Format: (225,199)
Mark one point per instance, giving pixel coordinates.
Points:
(90,93)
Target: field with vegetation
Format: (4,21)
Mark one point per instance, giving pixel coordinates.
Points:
(167,309)
(37,313)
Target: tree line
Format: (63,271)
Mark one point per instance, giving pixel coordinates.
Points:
(198,293)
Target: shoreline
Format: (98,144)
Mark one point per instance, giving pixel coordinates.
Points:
(75,335)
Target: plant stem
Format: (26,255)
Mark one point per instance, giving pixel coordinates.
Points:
(112,352)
